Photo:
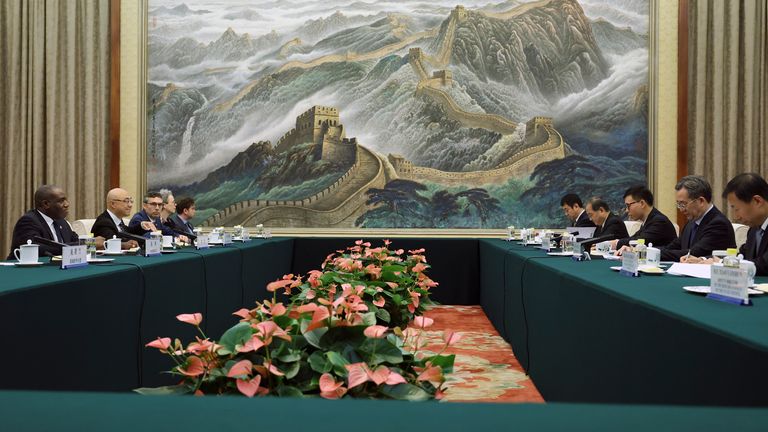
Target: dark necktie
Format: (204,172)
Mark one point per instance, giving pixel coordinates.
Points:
(694,228)
(190,228)
(59,234)
(121,227)
(758,240)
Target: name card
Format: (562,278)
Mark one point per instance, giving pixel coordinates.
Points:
(226,239)
(729,284)
(201,242)
(629,264)
(153,246)
(74,256)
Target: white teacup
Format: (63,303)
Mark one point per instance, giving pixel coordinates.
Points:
(167,241)
(653,256)
(26,253)
(749,266)
(113,245)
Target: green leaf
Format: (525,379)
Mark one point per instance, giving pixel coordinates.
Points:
(290,369)
(395,340)
(179,389)
(319,363)
(383,315)
(337,337)
(338,362)
(405,391)
(381,351)
(289,391)
(444,361)
(283,321)
(237,335)
(369,319)
(397,299)
(315,337)
(291,356)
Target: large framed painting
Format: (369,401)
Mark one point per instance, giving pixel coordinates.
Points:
(396,114)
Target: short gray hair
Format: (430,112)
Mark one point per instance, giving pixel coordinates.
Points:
(164,194)
(697,187)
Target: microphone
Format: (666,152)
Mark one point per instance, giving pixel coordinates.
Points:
(128,236)
(50,243)
(190,236)
(586,244)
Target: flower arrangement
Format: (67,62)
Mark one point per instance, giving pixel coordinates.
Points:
(326,340)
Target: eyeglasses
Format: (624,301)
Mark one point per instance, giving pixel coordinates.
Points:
(127,200)
(629,204)
(682,205)
(155,204)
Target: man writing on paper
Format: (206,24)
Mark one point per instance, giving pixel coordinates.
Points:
(574,210)
(747,196)
(47,221)
(707,228)
(110,222)
(608,224)
(656,227)
(185,211)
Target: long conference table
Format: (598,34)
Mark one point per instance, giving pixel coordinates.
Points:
(589,338)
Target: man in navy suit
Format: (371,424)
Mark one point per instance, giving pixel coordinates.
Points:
(153,204)
(47,221)
(574,210)
(656,227)
(608,224)
(707,228)
(185,211)
(747,196)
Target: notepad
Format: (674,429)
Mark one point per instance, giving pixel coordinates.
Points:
(693,270)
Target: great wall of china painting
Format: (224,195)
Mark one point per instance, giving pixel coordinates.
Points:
(396,114)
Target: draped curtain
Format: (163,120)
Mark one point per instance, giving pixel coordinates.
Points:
(54,105)
(728,90)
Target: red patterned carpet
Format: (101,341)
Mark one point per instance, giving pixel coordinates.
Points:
(485,369)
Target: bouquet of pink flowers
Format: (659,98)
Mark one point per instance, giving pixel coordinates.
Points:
(326,340)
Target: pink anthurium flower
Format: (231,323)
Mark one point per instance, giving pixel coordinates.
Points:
(273,369)
(195,319)
(329,388)
(395,378)
(243,313)
(241,368)
(318,318)
(357,373)
(276,285)
(194,367)
(431,373)
(418,268)
(249,387)
(160,343)
(451,337)
(253,344)
(422,321)
(277,309)
(380,375)
(375,331)
(373,270)
(379,302)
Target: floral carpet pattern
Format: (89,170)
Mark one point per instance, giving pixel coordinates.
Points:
(485,369)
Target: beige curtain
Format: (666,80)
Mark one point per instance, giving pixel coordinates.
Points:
(54,106)
(728,89)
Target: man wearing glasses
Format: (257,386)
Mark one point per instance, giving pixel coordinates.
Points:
(707,228)
(153,204)
(109,223)
(656,229)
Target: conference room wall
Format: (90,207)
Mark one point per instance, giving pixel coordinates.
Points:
(664,158)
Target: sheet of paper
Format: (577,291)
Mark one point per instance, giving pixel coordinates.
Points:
(693,270)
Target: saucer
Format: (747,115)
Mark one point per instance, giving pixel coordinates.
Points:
(29,264)
(99,260)
(113,253)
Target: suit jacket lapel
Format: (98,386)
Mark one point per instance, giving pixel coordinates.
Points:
(46,229)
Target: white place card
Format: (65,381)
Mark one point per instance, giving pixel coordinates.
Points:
(201,242)
(729,282)
(629,264)
(226,239)
(153,246)
(74,256)
(245,235)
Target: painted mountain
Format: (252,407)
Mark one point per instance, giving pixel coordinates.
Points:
(396,114)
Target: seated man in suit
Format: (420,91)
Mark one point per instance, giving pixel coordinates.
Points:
(707,228)
(47,221)
(656,229)
(574,210)
(110,222)
(608,224)
(747,196)
(153,204)
(185,211)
